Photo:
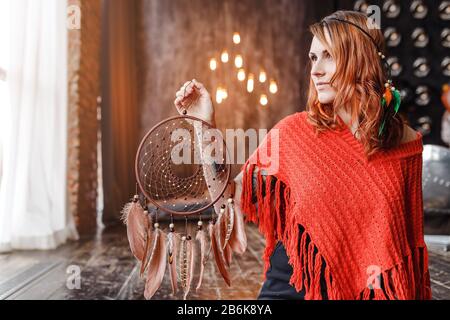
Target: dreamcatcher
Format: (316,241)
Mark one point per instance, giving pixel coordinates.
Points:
(181,168)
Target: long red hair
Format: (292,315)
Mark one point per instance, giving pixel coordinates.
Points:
(359,81)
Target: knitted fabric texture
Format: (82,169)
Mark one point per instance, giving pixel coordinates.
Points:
(362,216)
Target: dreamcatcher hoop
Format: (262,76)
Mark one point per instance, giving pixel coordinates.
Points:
(153,190)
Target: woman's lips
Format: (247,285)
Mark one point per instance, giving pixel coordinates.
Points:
(322,85)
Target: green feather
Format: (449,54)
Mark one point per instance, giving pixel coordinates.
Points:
(380,132)
(383,105)
(397,100)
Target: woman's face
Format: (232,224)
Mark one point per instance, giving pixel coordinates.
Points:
(322,70)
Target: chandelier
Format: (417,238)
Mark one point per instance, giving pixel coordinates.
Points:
(232,60)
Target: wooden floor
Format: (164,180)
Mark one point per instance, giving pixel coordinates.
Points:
(108,271)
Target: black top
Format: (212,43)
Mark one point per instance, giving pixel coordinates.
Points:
(276,286)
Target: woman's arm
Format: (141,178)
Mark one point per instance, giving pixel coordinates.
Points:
(194,97)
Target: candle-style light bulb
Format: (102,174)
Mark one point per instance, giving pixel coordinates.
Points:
(224,93)
(219,95)
(224,57)
(238,61)
(262,77)
(241,75)
(263,100)
(213,64)
(236,38)
(250,83)
(273,88)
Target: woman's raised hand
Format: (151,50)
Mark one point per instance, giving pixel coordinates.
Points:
(195,99)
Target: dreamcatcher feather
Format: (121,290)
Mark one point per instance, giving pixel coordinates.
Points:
(187,262)
(147,254)
(201,238)
(221,233)
(157,264)
(138,224)
(218,253)
(238,237)
(172,251)
(182,190)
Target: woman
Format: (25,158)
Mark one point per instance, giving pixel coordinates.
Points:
(342,215)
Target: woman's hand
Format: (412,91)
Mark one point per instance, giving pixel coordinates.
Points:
(195,99)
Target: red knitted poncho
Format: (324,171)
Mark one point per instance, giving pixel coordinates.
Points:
(363,216)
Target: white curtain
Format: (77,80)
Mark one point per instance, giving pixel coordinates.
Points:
(33,206)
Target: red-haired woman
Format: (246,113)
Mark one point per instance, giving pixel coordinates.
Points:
(342,213)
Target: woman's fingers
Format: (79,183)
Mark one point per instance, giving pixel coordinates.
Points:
(185,85)
(197,84)
(189,89)
(180,102)
(177,103)
(185,90)
(200,88)
(181,95)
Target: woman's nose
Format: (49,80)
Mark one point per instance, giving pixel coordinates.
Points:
(317,70)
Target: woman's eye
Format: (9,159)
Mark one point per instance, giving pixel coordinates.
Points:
(313,58)
(327,55)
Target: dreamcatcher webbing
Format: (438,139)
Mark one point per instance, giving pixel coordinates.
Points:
(174,181)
